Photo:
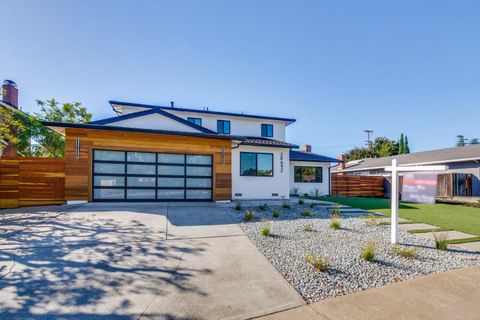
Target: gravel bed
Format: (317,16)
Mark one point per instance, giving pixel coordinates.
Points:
(288,245)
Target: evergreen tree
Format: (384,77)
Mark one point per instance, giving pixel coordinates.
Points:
(406,148)
(401,145)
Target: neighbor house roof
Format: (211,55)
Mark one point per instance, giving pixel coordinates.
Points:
(455,154)
(115,104)
(310,157)
(243,140)
(148,112)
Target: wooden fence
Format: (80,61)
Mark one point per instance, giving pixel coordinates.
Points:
(28,182)
(357,186)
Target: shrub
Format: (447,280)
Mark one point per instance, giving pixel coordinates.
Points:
(286,203)
(306,212)
(405,252)
(372,220)
(265,229)
(249,215)
(335,212)
(335,224)
(308,227)
(441,241)
(295,191)
(263,207)
(301,201)
(276,213)
(319,262)
(238,206)
(368,252)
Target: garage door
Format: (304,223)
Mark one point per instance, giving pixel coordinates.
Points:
(148,176)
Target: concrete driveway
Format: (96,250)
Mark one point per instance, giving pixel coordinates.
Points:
(131,261)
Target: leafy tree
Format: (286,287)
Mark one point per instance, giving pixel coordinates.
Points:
(406,148)
(401,145)
(358,153)
(49,143)
(384,147)
(460,141)
(10,125)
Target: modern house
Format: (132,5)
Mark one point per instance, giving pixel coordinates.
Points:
(462,179)
(155,153)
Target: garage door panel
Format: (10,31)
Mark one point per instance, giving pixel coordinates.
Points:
(132,175)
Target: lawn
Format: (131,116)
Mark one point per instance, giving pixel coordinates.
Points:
(449,216)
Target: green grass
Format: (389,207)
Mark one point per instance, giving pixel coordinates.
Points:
(448,216)
(429,230)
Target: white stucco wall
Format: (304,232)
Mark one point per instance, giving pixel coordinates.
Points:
(238,126)
(261,187)
(154,121)
(309,187)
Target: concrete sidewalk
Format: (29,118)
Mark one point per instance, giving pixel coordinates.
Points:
(449,295)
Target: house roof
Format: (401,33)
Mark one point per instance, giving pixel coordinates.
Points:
(455,154)
(115,104)
(60,126)
(152,111)
(310,157)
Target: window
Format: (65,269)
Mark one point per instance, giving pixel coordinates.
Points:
(256,164)
(308,174)
(197,121)
(267,130)
(223,126)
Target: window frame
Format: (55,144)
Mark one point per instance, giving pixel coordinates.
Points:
(301,174)
(266,126)
(221,123)
(194,120)
(256,164)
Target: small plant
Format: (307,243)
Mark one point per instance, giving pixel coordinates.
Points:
(308,227)
(306,212)
(441,241)
(295,191)
(301,201)
(335,212)
(265,229)
(263,207)
(249,215)
(405,252)
(286,204)
(316,192)
(238,206)
(372,220)
(368,252)
(335,224)
(319,262)
(276,213)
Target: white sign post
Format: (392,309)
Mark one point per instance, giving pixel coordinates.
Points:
(395,169)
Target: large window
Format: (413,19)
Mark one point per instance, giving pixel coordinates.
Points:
(223,126)
(197,121)
(308,174)
(256,164)
(267,130)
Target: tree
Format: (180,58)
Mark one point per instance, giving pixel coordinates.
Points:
(10,125)
(406,148)
(384,147)
(460,141)
(47,142)
(401,145)
(358,153)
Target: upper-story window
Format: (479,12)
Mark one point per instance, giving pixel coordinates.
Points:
(223,126)
(197,121)
(267,130)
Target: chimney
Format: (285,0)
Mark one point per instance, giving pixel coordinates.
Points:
(343,161)
(306,148)
(10,93)
(172,104)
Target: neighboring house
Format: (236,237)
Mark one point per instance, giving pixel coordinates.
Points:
(9,100)
(462,179)
(158,153)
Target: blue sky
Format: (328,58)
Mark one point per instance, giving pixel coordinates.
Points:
(338,67)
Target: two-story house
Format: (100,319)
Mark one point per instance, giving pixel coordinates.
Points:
(158,153)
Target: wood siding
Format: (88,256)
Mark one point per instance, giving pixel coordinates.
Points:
(78,181)
(357,186)
(28,182)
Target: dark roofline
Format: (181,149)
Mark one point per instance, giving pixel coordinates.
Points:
(320,158)
(112,102)
(165,132)
(152,111)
